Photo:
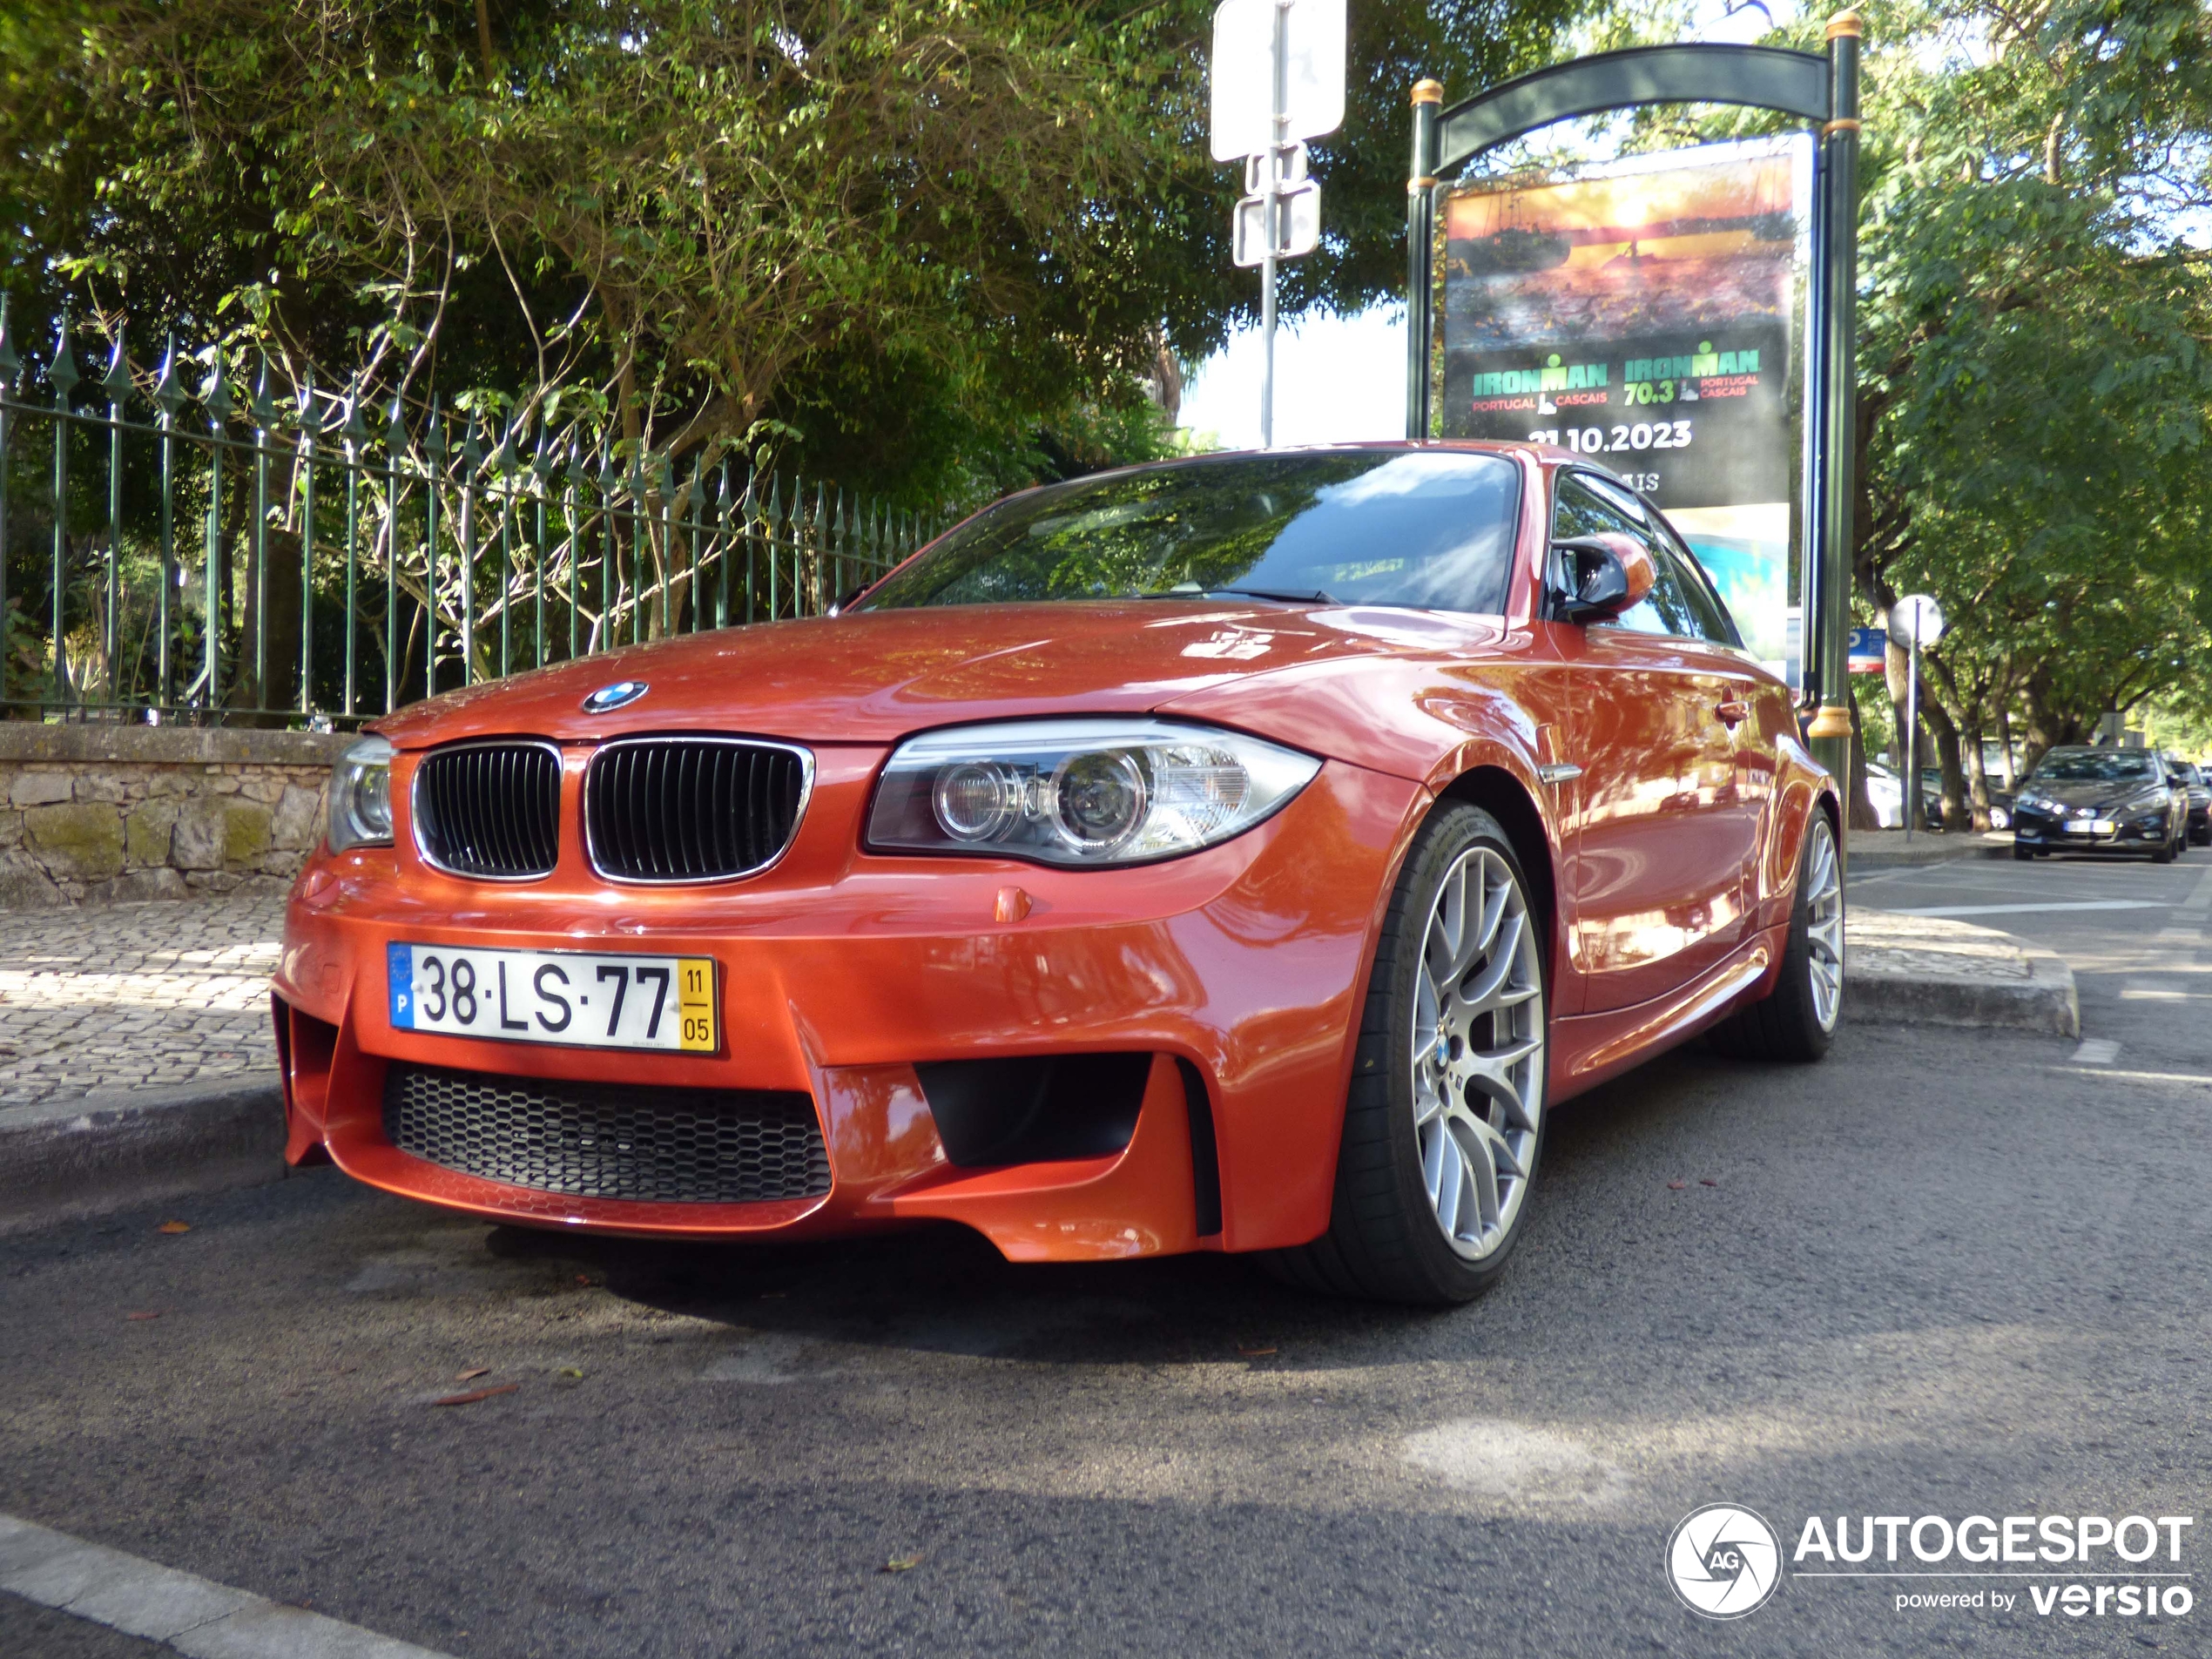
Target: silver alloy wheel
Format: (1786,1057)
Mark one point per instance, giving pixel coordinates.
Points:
(1825,923)
(1478,1052)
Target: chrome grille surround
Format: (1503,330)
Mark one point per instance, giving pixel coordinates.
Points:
(684,808)
(463,828)
(610,1141)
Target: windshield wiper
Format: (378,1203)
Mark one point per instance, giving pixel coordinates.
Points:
(1286,596)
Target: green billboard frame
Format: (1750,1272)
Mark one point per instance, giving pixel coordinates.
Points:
(1821,88)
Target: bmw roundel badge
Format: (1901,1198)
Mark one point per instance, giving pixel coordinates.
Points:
(621,694)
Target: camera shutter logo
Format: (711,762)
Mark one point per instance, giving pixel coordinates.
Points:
(1723,1561)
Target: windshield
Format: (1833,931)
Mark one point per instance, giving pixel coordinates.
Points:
(2095,766)
(1378,527)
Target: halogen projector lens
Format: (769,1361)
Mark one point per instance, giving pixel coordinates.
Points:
(974,801)
(1098,798)
(373,799)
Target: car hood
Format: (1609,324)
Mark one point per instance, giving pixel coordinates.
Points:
(875,677)
(2089,793)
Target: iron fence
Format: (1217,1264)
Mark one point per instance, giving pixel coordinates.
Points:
(211,555)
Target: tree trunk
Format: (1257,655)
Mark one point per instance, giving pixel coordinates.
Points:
(1977,776)
(280,627)
(1859,812)
(1956,815)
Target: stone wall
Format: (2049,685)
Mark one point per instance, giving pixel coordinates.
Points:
(92,814)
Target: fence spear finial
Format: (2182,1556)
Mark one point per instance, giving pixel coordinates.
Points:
(64,374)
(117,382)
(169,391)
(263,406)
(215,396)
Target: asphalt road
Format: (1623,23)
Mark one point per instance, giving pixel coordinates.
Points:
(1943,1273)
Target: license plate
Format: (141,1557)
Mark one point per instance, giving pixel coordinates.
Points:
(576,998)
(2098,826)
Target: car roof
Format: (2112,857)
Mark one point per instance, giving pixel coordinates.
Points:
(1546,455)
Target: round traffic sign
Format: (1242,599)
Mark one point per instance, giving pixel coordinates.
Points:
(1904,612)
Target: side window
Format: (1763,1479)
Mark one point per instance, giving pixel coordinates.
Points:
(1714,621)
(1585,505)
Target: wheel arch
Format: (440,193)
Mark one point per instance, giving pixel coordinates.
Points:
(1503,795)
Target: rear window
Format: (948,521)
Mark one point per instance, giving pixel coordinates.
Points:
(1372,527)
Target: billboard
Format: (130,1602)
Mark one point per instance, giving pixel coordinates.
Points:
(1651,314)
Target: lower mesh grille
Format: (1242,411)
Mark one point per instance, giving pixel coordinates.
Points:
(609,1140)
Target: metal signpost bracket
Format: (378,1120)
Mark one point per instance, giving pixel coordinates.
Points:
(1815,87)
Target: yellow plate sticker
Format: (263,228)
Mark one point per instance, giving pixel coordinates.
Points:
(695,1004)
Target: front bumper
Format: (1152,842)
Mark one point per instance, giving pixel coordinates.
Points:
(1238,970)
(2129,835)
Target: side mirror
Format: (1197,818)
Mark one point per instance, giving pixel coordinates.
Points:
(1611,573)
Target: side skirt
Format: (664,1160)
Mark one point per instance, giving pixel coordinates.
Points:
(1588,1048)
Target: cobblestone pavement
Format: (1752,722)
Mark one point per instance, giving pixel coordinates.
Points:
(135,996)
(155,995)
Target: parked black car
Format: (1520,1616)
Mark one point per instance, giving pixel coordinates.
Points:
(2100,800)
(2191,777)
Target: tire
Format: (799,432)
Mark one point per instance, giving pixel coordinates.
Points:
(1447,1096)
(2169,850)
(1796,1019)
(2025,853)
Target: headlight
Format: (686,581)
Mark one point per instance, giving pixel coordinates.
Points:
(1086,792)
(361,796)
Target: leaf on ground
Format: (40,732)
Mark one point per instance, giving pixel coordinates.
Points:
(472,1373)
(151,1313)
(1676,1186)
(583,1279)
(174,1227)
(1707,1181)
(576,1372)
(900,1564)
(1253,1353)
(476,1394)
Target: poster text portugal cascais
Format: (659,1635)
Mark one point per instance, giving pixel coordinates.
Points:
(1643,315)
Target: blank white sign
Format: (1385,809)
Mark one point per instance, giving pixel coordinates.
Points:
(1243,73)
(1300,224)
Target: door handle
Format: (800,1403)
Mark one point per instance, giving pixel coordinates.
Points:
(1733,710)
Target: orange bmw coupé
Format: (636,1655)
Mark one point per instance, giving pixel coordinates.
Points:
(1242,853)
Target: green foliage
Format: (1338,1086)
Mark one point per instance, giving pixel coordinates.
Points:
(941,244)
(2034,385)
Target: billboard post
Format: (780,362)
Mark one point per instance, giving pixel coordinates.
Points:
(1830,732)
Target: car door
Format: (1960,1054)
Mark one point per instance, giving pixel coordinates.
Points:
(1665,828)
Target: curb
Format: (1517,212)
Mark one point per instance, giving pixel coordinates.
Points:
(1925,850)
(63,1160)
(2032,991)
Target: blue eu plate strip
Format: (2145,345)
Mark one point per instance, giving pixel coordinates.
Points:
(399,960)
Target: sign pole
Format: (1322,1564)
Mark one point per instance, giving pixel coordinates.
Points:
(1278,137)
(1277,77)
(1912,727)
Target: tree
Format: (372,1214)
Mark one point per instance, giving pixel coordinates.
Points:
(2035,393)
(939,244)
